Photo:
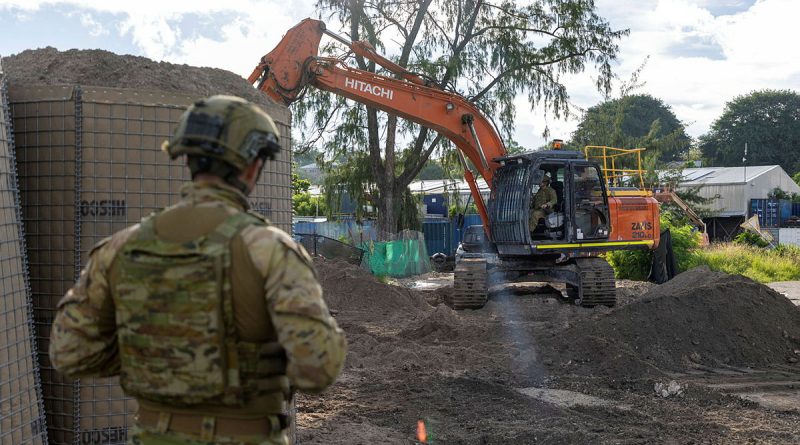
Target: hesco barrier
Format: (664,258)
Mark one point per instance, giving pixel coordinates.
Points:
(21,410)
(90,164)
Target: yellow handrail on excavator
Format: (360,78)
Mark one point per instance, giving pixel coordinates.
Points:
(608,157)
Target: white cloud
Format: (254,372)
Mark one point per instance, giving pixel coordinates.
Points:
(152,26)
(95,28)
(752,39)
(703,53)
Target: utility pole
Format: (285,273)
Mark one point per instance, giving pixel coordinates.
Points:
(744,187)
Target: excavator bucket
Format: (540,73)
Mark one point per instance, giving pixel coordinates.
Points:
(279,74)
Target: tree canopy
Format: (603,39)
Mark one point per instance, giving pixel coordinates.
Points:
(489,52)
(768,121)
(634,121)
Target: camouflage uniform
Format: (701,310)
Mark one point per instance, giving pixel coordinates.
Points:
(276,299)
(545,195)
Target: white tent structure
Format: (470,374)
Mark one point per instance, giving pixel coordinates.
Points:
(734,187)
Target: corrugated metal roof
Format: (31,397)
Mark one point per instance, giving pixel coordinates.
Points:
(724,175)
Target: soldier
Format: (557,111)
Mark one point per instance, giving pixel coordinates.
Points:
(543,202)
(210,316)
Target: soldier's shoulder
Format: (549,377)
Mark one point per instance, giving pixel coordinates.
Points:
(267,238)
(106,249)
(117,240)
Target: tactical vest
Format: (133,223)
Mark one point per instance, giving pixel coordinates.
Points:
(176,333)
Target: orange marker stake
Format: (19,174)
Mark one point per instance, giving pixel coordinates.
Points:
(422,435)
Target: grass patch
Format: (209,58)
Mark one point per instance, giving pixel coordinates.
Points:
(762,265)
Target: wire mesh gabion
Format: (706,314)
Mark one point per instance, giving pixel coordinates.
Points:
(90,164)
(21,411)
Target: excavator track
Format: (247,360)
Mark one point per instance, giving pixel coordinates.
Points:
(597,283)
(470,290)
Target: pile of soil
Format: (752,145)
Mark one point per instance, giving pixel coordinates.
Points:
(349,288)
(49,66)
(463,372)
(700,318)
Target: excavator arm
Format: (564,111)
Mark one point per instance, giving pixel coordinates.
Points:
(294,64)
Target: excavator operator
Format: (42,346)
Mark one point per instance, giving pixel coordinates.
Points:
(543,202)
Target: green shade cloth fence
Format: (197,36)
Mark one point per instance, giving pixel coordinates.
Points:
(400,258)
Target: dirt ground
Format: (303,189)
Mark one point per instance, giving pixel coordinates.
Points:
(705,358)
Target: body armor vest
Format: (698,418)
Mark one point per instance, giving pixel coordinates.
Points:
(174,312)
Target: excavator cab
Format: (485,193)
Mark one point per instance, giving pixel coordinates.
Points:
(525,214)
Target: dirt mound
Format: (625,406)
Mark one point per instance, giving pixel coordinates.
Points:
(442,323)
(349,288)
(699,318)
(49,66)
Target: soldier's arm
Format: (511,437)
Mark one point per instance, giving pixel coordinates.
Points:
(83,340)
(315,346)
(552,197)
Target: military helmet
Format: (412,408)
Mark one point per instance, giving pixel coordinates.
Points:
(546,179)
(225,128)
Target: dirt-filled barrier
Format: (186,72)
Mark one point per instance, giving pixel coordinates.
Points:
(90,164)
(21,410)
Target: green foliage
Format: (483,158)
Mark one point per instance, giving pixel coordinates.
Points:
(762,265)
(749,238)
(635,264)
(768,121)
(349,178)
(630,264)
(796,178)
(454,210)
(490,53)
(410,215)
(309,156)
(778,193)
(432,170)
(303,204)
(631,122)
(299,185)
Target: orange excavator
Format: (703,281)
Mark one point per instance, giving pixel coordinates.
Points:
(521,238)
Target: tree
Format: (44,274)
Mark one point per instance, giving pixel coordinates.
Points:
(303,204)
(768,121)
(634,121)
(796,178)
(488,52)
(432,170)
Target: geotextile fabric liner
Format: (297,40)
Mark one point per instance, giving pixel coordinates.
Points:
(21,409)
(90,164)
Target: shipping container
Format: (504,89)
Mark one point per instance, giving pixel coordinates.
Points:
(767,210)
(438,236)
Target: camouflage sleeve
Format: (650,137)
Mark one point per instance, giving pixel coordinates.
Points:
(83,340)
(315,346)
(552,197)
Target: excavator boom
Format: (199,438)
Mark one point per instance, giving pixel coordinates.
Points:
(294,64)
(557,242)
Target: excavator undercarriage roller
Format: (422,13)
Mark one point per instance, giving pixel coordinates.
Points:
(597,284)
(470,289)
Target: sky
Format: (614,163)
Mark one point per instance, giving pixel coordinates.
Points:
(700,53)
